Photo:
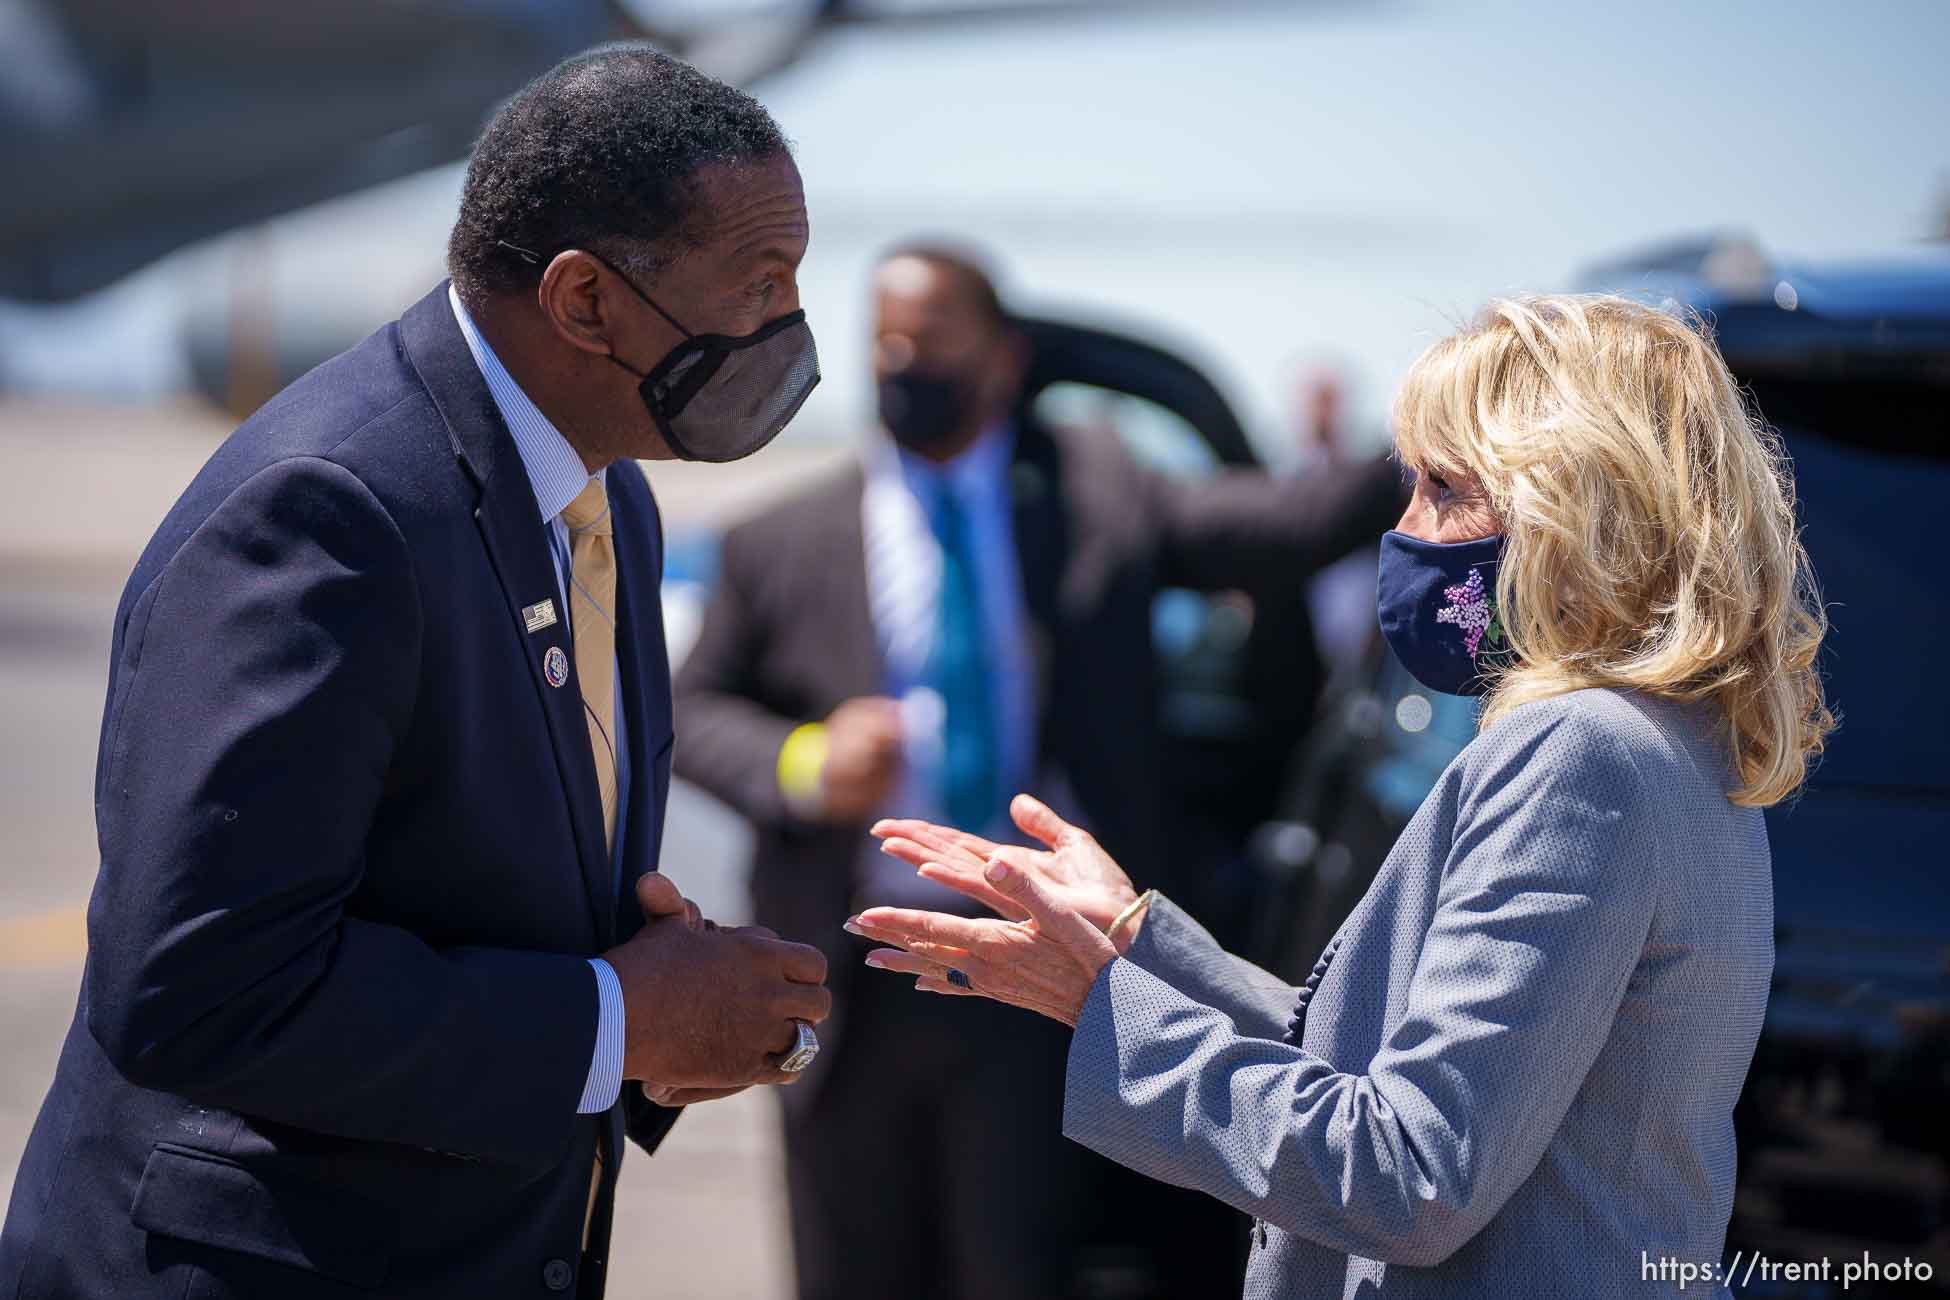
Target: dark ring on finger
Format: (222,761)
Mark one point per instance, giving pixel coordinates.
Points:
(960,979)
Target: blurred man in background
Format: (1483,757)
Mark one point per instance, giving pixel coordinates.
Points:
(962,615)
(1229,781)
(1296,646)
(1341,597)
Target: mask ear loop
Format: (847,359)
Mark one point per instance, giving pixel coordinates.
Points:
(651,378)
(534,259)
(675,323)
(665,406)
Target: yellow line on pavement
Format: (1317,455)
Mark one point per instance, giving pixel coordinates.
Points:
(54,938)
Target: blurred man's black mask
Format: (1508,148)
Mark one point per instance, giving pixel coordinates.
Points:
(922,408)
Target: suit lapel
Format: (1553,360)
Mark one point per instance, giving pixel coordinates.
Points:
(512,531)
(643,667)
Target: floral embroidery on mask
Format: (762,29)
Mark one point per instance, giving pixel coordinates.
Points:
(1471,608)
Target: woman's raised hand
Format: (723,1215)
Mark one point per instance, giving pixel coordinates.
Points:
(1075,870)
(1046,963)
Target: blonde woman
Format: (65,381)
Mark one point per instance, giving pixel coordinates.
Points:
(1513,1071)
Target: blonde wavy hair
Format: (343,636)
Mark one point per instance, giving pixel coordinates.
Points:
(1648,514)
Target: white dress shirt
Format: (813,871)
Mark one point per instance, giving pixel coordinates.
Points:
(557,475)
(903,566)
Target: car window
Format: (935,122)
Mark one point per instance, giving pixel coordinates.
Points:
(1158,437)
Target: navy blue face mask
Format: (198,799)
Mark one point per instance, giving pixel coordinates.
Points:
(1437,605)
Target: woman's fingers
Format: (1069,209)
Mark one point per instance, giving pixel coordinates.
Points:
(935,984)
(932,976)
(998,954)
(905,963)
(1031,976)
(1038,820)
(944,841)
(932,984)
(924,847)
(1034,863)
(963,857)
(961,867)
(908,927)
(1053,918)
(913,852)
(1015,997)
(970,881)
(1011,967)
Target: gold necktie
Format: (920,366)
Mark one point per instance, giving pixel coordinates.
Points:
(592,602)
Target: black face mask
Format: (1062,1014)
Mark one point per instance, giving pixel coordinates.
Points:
(923,409)
(720,397)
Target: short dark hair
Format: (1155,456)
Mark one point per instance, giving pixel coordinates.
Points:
(971,267)
(600,153)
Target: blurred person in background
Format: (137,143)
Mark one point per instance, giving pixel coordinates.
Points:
(1295,642)
(381,970)
(1513,1070)
(1340,599)
(966,609)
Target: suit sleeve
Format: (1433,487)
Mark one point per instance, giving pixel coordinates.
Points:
(1542,915)
(272,674)
(1269,533)
(728,738)
(1179,951)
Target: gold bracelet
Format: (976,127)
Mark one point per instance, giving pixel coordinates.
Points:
(1138,905)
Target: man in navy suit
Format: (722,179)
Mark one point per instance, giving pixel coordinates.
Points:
(380,972)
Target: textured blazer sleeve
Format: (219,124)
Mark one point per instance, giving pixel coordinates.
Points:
(272,668)
(728,741)
(1543,911)
(1179,951)
(1268,532)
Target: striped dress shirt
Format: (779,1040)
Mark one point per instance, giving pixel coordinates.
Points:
(556,473)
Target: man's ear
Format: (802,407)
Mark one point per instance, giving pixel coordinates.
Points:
(579,302)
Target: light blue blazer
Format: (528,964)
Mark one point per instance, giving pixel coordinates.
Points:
(1516,1062)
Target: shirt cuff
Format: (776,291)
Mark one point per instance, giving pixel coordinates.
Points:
(606,1069)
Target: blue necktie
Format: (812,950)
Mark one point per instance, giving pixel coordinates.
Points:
(959,669)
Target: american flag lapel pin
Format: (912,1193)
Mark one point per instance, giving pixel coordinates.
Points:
(539,615)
